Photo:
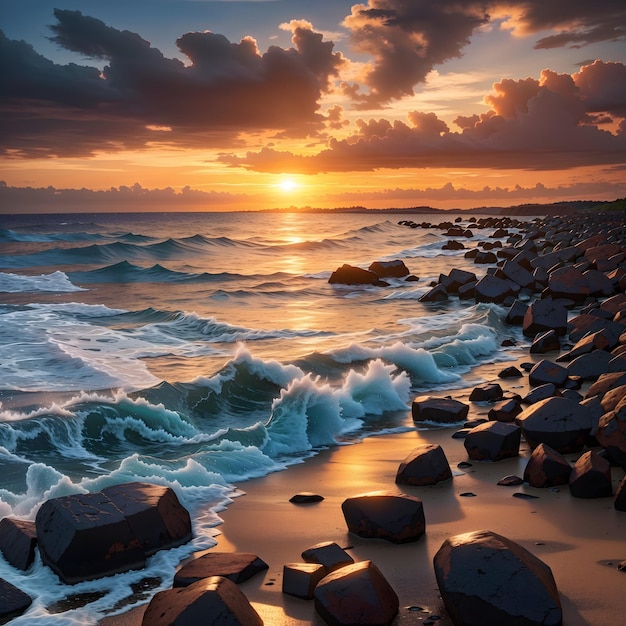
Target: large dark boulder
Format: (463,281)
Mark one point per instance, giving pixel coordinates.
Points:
(356,594)
(543,315)
(561,423)
(13,601)
(380,515)
(156,517)
(352,275)
(493,289)
(590,366)
(489,392)
(86,536)
(545,371)
(493,441)
(591,477)
(389,269)
(485,578)
(568,282)
(425,465)
(547,341)
(236,566)
(547,468)
(439,410)
(214,600)
(18,539)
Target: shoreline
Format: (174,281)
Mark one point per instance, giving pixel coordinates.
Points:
(581,540)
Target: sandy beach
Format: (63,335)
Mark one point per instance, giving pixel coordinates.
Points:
(581,540)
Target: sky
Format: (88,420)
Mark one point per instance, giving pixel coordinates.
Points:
(248,105)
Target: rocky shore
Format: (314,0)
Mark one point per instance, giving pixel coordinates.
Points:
(420,531)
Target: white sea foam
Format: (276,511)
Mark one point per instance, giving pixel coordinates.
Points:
(56,282)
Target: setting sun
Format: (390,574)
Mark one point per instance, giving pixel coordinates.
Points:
(288,184)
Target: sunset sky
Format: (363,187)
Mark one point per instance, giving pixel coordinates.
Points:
(244,105)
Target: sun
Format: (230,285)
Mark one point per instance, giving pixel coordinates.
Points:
(287,185)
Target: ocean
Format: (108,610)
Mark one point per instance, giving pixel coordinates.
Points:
(200,350)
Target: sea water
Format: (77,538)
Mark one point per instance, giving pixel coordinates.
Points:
(200,350)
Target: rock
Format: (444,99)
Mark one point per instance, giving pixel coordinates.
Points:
(351,275)
(85,536)
(214,600)
(439,410)
(510,372)
(591,477)
(18,539)
(547,468)
(545,315)
(518,274)
(568,282)
(300,579)
(485,578)
(493,289)
(425,465)
(13,601)
(485,257)
(154,513)
(619,502)
(457,278)
(236,566)
(612,398)
(611,434)
(516,313)
(558,422)
(505,411)
(328,554)
(380,515)
(590,366)
(389,269)
(305,497)
(510,481)
(547,341)
(546,371)
(600,340)
(437,294)
(356,594)
(493,441)
(490,392)
(547,390)
(605,383)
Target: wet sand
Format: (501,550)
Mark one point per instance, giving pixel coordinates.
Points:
(582,541)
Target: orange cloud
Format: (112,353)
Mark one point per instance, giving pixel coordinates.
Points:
(533,124)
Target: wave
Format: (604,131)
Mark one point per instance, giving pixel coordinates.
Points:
(55,282)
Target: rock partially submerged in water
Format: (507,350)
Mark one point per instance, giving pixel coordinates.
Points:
(13,601)
(389,269)
(18,539)
(87,536)
(485,578)
(352,275)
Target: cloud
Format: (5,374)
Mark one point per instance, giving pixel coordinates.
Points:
(225,88)
(545,124)
(406,39)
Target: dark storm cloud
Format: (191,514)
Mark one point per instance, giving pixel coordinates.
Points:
(547,124)
(406,39)
(223,89)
